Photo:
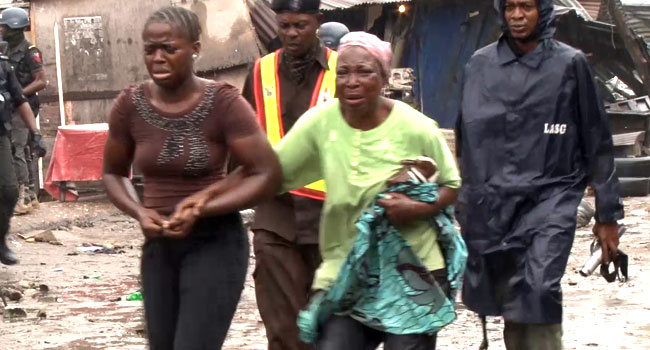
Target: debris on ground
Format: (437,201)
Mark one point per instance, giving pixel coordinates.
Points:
(13,312)
(46,236)
(64,310)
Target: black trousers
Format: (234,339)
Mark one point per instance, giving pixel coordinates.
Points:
(192,286)
(8,186)
(345,333)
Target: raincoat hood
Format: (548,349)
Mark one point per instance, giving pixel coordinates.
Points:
(545,25)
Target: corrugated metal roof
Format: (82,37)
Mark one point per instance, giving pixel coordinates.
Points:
(574,4)
(263,20)
(592,7)
(638,20)
(343,4)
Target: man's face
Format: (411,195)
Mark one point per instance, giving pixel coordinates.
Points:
(297,31)
(522,17)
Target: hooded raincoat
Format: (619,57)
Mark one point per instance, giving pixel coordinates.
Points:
(532,134)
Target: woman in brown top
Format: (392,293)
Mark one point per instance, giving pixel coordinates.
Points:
(179,130)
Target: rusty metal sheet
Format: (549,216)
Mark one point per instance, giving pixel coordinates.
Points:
(343,4)
(563,5)
(228,38)
(634,25)
(592,7)
(263,20)
(638,20)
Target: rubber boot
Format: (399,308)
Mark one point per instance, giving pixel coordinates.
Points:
(7,256)
(21,208)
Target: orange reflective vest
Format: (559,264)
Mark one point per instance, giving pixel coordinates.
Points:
(269,106)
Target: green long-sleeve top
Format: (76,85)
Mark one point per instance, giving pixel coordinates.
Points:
(355,165)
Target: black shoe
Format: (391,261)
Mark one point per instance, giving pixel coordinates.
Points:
(7,256)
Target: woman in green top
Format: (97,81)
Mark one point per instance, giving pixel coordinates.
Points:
(356,143)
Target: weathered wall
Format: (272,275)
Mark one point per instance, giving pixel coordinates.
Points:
(101,49)
(228,38)
(100,52)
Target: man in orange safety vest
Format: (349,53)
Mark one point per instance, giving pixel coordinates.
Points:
(281,87)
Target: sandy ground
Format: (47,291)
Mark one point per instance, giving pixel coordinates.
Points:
(85,307)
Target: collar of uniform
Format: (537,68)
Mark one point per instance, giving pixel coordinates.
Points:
(532,59)
(320,57)
(22,47)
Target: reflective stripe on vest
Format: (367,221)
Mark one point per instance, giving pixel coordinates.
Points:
(269,106)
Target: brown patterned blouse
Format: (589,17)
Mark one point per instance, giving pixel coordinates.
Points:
(182,153)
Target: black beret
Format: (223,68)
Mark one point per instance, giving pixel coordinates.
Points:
(297,6)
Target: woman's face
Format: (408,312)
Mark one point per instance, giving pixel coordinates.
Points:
(359,80)
(168,54)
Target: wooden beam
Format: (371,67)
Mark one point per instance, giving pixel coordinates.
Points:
(81,96)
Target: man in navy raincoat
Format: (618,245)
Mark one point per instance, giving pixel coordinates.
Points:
(532,134)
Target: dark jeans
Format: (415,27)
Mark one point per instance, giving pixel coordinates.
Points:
(345,333)
(192,286)
(283,275)
(8,186)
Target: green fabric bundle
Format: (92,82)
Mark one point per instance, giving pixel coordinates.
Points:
(383,284)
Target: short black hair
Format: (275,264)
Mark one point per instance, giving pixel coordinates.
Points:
(181,17)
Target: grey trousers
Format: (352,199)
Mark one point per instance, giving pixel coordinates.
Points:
(522,336)
(19,139)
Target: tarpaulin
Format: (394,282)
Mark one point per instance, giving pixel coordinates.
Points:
(77,155)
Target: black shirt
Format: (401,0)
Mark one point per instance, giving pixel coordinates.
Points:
(12,93)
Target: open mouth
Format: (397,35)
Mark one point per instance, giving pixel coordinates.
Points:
(161,75)
(354,100)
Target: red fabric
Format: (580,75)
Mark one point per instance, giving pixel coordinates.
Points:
(77,155)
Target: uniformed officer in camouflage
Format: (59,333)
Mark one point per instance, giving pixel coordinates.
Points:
(27,63)
(12,100)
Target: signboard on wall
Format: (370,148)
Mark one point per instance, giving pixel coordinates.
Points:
(85,49)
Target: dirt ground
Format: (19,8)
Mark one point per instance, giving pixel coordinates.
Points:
(85,305)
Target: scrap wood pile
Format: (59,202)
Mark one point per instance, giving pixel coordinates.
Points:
(630,122)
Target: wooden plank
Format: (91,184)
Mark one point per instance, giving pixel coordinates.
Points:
(629,139)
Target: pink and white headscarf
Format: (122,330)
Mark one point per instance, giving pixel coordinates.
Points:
(378,48)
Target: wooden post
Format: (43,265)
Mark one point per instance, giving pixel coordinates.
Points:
(59,75)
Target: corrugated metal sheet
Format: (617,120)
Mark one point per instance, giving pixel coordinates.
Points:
(638,20)
(576,5)
(264,20)
(343,4)
(592,7)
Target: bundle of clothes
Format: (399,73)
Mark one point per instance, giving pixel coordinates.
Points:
(383,284)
